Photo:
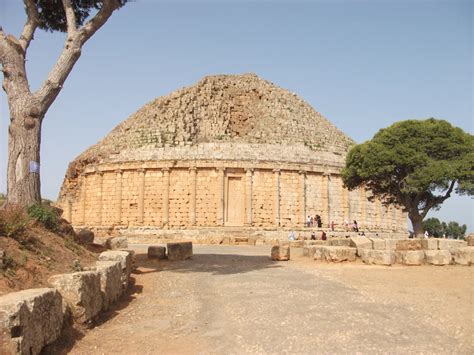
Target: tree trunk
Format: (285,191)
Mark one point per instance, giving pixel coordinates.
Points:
(24,139)
(417,223)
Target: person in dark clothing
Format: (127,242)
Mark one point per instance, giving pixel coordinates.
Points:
(355,227)
(313,236)
(318,221)
(323,236)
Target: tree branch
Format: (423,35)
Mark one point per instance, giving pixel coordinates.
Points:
(88,30)
(71,53)
(70,18)
(30,26)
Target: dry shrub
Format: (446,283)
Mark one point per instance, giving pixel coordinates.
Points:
(13,220)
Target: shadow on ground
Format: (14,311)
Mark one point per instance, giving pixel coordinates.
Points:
(215,264)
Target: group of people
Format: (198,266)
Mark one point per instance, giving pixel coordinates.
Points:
(317,222)
(314,221)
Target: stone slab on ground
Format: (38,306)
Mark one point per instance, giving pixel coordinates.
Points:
(360,242)
(339,242)
(412,257)
(408,244)
(451,244)
(280,252)
(29,320)
(126,261)
(377,257)
(156,252)
(116,243)
(81,292)
(438,257)
(110,281)
(464,256)
(180,250)
(378,244)
(337,254)
(429,244)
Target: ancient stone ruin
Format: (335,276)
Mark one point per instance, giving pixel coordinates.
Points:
(230,151)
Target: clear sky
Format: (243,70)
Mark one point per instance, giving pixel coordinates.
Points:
(362,64)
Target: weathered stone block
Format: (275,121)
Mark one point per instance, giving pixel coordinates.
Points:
(280,252)
(378,244)
(360,242)
(464,256)
(408,244)
(451,244)
(470,240)
(85,236)
(377,257)
(29,320)
(413,257)
(296,243)
(156,252)
(81,291)
(391,244)
(116,243)
(339,242)
(180,250)
(438,257)
(429,244)
(252,241)
(110,281)
(338,254)
(126,261)
(316,252)
(308,243)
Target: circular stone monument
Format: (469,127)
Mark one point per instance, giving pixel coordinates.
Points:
(230,151)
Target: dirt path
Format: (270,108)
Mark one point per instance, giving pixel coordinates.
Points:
(234,300)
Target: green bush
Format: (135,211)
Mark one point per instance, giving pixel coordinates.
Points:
(45,215)
(13,220)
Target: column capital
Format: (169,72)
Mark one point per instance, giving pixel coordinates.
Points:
(276,171)
(165,170)
(141,170)
(119,171)
(220,169)
(302,172)
(192,168)
(248,171)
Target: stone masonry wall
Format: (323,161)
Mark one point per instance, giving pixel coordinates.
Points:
(170,197)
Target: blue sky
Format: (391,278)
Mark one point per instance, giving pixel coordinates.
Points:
(362,64)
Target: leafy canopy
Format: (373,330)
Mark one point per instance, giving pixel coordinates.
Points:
(437,228)
(52,17)
(414,164)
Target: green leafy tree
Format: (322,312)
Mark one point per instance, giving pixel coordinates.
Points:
(79,19)
(434,227)
(415,164)
(454,230)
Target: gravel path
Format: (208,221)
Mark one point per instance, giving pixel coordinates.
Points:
(235,300)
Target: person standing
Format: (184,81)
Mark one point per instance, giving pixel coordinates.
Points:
(355,227)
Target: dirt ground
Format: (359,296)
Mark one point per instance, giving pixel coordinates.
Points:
(235,300)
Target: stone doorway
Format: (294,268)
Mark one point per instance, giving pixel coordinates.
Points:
(234,202)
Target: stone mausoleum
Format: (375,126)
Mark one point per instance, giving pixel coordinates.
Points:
(233,152)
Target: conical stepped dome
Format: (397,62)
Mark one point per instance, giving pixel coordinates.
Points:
(227,122)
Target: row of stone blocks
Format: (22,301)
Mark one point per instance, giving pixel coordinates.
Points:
(389,252)
(176,251)
(33,318)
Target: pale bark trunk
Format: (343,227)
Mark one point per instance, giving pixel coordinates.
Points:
(24,139)
(28,109)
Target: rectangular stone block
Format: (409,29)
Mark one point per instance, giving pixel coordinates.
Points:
(377,257)
(408,244)
(280,252)
(126,261)
(429,244)
(81,291)
(116,243)
(337,254)
(451,244)
(464,256)
(308,243)
(296,243)
(30,320)
(413,257)
(316,252)
(360,242)
(156,252)
(438,257)
(378,244)
(339,242)
(180,250)
(110,281)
